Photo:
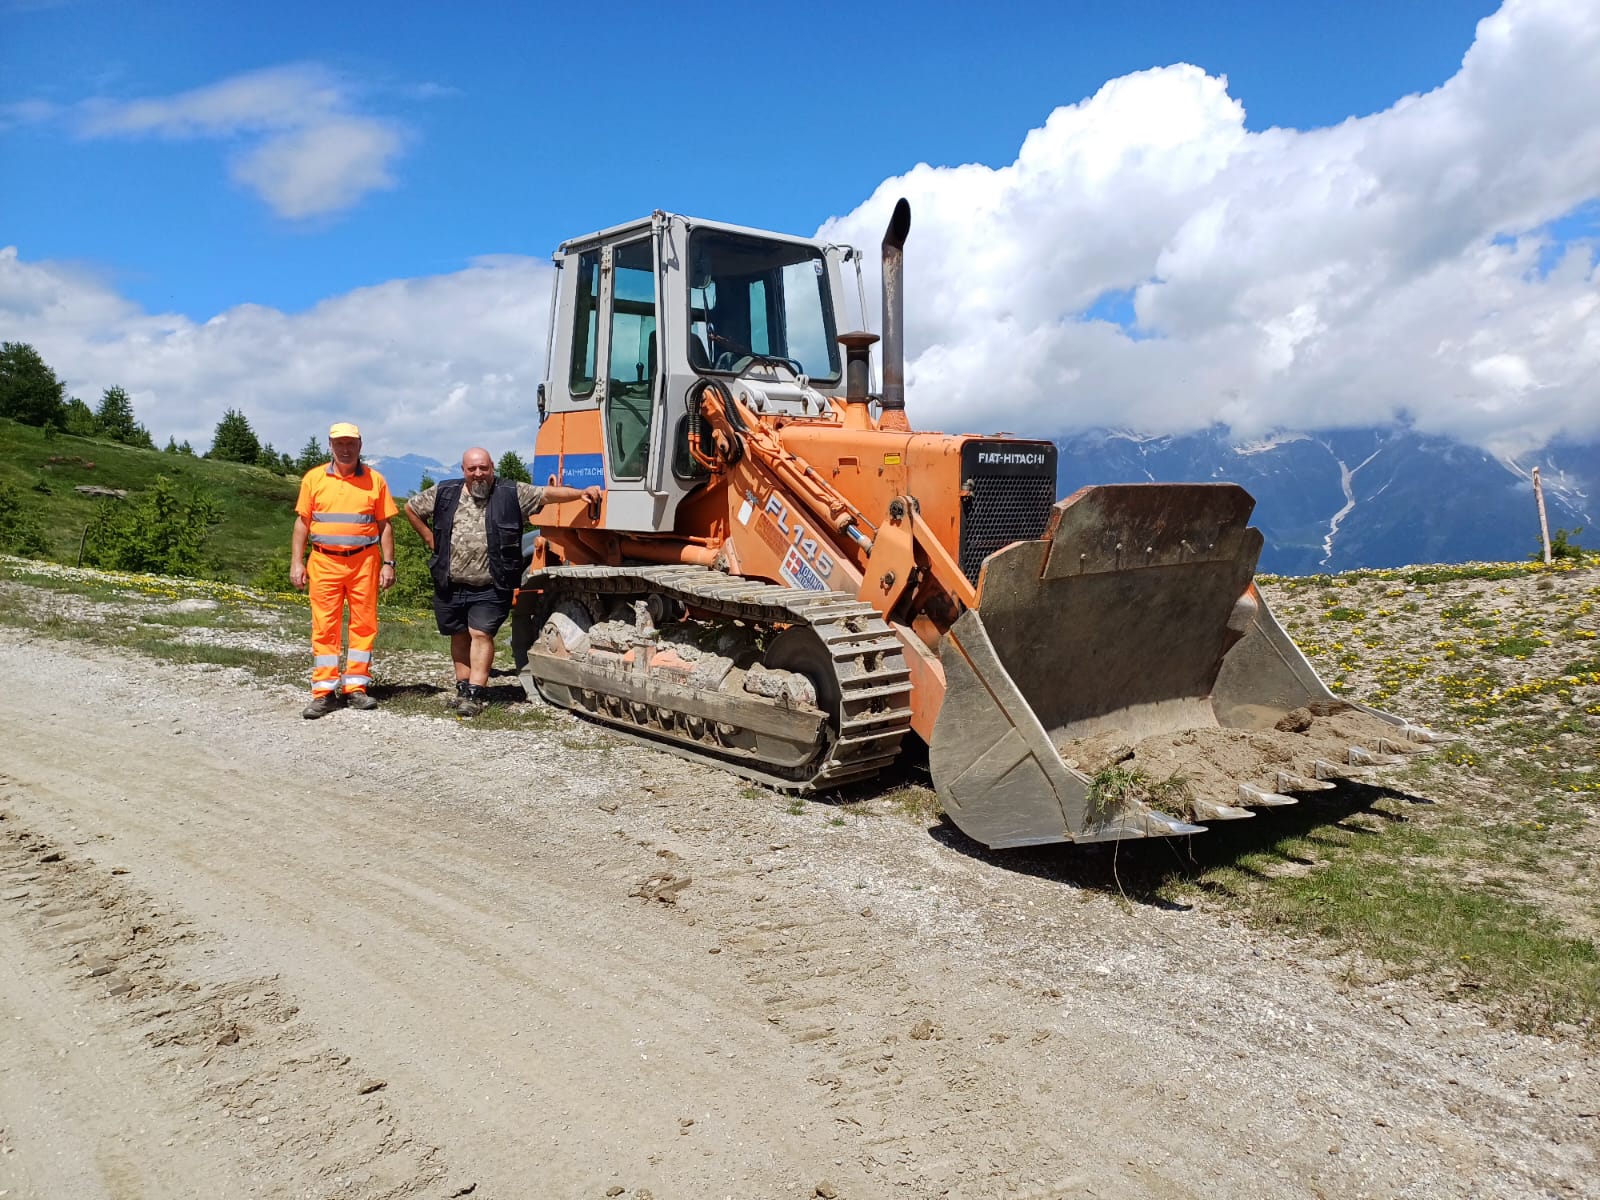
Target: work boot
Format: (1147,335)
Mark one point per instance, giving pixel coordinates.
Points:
(461,694)
(321,705)
(473,702)
(360,701)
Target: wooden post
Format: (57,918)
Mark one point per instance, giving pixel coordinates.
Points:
(85,538)
(1544,525)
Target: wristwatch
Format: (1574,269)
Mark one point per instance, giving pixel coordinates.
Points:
(388,562)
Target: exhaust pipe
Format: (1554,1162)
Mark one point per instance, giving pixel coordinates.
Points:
(858,353)
(894,319)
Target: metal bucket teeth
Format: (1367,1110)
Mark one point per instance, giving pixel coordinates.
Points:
(1210,810)
(1421,733)
(1254,797)
(1360,756)
(1295,783)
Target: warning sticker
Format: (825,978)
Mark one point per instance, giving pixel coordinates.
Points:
(891,460)
(746,509)
(798,572)
(768,530)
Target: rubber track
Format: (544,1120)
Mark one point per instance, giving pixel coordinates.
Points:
(869,663)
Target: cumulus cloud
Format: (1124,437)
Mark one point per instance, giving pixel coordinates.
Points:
(1394,266)
(307,150)
(1146,262)
(428,365)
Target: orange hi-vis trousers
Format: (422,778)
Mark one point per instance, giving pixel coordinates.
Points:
(334,580)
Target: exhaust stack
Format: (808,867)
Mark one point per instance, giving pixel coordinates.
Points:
(858,365)
(894,320)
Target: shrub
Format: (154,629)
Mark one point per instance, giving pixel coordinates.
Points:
(163,531)
(1561,546)
(20,531)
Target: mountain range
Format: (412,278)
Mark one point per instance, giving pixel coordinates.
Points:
(1329,501)
(1339,500)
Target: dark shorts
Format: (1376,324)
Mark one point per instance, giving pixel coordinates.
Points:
(464,608)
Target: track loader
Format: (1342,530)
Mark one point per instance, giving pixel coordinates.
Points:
(788,581)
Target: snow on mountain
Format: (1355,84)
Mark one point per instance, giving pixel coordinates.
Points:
(1341,499)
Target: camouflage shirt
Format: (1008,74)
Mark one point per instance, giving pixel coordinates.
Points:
(469,535)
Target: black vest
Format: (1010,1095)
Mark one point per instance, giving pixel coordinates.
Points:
(504,517)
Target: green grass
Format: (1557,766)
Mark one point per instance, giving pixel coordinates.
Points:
(1404,894)
(1117,785)
(914,802)
(257,505)
(1484,891)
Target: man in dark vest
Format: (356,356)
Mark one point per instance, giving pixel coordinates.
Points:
(473,527)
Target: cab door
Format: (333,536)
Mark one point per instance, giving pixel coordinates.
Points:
(629,407)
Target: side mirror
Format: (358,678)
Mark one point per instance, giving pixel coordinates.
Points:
(539,395)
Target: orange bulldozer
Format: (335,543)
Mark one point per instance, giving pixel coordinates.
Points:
(787,581)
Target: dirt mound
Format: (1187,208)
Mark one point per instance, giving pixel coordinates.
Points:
(1210,764)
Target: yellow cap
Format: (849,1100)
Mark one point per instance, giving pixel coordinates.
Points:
(343,429)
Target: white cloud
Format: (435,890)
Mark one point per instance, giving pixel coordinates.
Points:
(1398,264)
(321,168)
(1388,265)
(307,152)
(430,365)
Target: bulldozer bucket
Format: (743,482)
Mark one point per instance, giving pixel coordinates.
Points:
(1129,631)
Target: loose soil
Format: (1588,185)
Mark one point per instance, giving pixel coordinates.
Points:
(1334,740)
(378,955)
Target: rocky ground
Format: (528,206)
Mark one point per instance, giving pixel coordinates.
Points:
(388,955)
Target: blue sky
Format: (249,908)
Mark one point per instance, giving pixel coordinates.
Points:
(296,208)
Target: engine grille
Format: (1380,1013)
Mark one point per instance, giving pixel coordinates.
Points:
(1009,502)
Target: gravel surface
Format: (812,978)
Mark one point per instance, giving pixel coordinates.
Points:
(383,955)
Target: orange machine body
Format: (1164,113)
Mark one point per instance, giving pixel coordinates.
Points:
(831,502)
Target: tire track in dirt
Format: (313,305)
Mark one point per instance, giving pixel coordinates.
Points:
(292,1111)
(433,941)
(931,1110)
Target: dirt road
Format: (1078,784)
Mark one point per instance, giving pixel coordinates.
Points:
(243,954)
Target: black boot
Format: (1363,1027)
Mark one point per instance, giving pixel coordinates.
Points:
(475,700)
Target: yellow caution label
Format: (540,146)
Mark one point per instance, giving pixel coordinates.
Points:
(891,460)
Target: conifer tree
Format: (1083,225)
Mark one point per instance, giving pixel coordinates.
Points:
(512,467)
(234,440)
(312,454)
(29,390)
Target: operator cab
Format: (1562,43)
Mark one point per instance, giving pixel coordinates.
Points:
(643,310)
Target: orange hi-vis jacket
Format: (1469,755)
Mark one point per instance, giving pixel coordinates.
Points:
(344,515)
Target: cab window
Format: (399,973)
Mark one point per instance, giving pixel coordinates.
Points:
(585,324)
(632,370)
(751,298)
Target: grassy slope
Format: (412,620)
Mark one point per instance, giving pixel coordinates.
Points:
(249,545)
(257,506)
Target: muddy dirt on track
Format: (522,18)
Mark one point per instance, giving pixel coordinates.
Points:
(242,954)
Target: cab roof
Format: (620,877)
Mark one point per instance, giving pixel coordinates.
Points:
(643,225)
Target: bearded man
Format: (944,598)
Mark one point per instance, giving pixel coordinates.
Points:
(473,528)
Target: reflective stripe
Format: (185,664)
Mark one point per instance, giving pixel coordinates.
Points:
(343,539)
(356,681)
(359,656)
(346,518)
(325,660)
(323,685)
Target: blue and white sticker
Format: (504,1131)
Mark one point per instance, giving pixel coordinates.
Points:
(798,572)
